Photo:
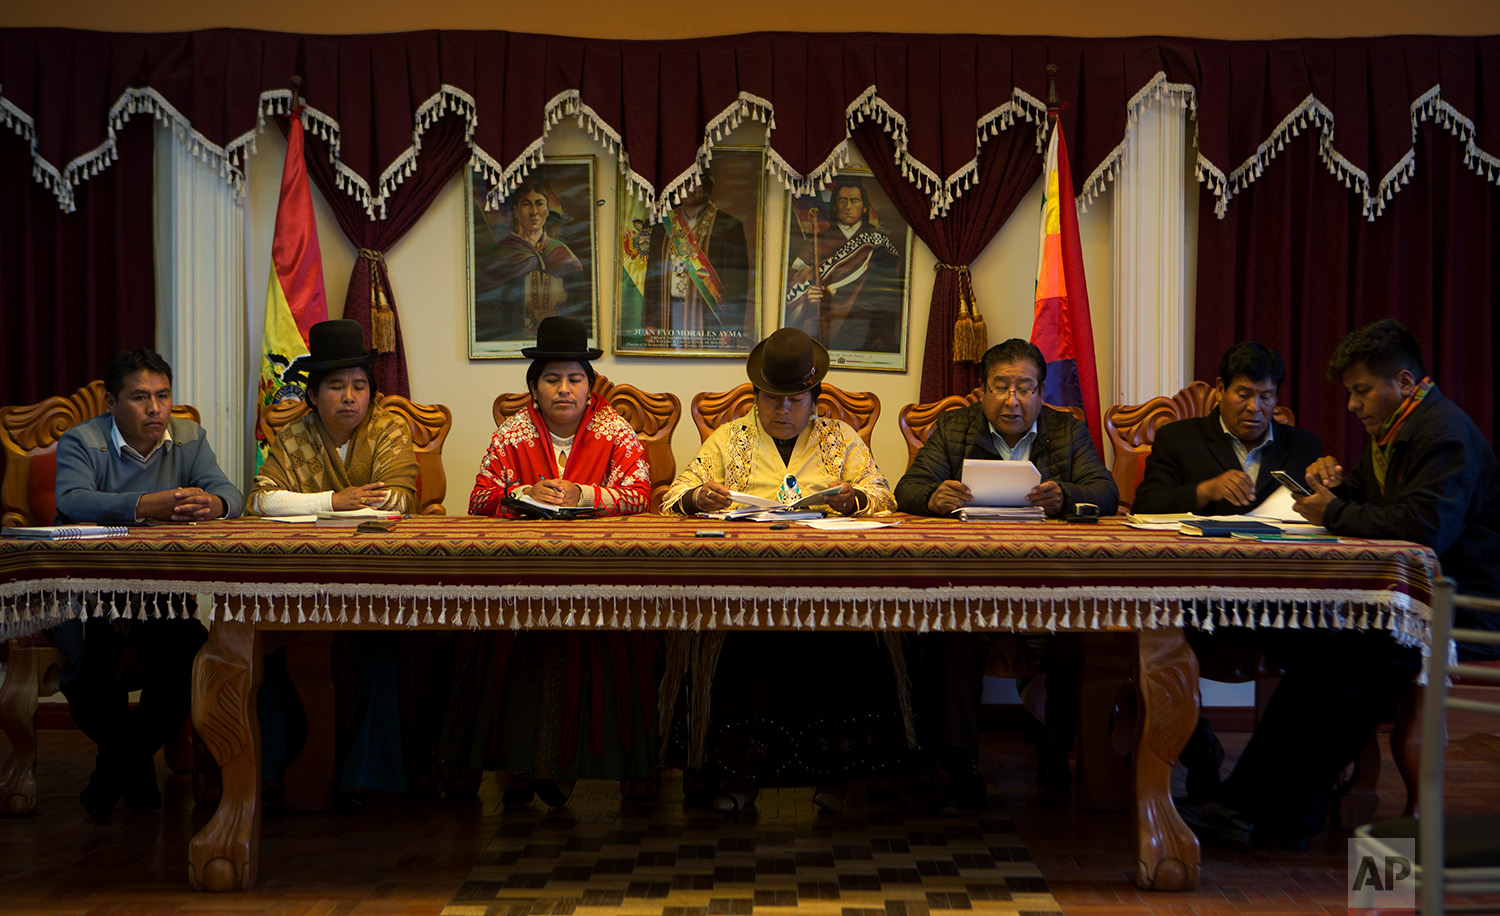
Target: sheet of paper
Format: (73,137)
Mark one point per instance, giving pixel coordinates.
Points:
(850,524)
(1279,506)
(1000,483)
(759,502)
(293,519)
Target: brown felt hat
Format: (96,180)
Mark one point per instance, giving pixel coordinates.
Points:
(788,362)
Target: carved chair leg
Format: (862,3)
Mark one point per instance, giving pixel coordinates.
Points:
(1406,743)
(1167,674)
(226,675)
(311,777)
(1358,801)
(18,696)
(1103,778)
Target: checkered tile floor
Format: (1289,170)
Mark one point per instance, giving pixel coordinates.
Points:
(782,858)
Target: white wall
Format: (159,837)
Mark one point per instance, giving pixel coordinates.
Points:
(428,275)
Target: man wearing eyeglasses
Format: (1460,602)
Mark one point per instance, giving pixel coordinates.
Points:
(1009,422)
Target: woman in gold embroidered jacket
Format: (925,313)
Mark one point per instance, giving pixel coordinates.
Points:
(793,709)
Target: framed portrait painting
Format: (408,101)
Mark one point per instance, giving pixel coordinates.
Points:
(690,284)
(847,272)
(532,257)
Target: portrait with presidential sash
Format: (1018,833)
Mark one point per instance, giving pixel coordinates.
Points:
(689,283)
(531,255)
(847,271)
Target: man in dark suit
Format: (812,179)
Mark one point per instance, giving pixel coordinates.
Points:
(1221,464)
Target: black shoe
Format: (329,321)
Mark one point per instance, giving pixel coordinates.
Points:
(1217,824)
(1203,756)
(142,794)
(1053,775)
(966,790)
(519,795)
(553,794)
(101,794)
(354,800)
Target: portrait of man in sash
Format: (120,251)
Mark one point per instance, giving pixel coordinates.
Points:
(846,273)
(532,257)
(688,281)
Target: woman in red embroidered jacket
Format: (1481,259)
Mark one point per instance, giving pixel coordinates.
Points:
(557,707)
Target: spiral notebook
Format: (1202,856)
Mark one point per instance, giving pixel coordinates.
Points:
(65,532)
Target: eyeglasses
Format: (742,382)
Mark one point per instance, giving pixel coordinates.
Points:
(1022,392)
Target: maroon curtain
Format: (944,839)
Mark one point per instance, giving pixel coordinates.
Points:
(1008,166)
(75,288)
(1296,266)
(444,153)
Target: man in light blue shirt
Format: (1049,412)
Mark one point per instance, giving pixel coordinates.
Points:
(135,463)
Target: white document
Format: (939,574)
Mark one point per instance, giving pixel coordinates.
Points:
(293,519)
(1000,483)
(1278,506)
(851,524)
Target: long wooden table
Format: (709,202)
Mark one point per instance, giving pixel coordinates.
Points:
(655,573)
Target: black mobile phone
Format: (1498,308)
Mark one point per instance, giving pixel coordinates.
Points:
(1290,482)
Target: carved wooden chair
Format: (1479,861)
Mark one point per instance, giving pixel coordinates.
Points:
(860,409)
(653,417)
(1131,429)
(28,444)
(916,420)
(429,424)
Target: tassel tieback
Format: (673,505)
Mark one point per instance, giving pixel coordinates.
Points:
(970,336)
(382,316)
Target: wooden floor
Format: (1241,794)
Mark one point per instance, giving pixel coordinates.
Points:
(420,856)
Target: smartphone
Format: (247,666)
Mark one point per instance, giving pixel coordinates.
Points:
(1290,482)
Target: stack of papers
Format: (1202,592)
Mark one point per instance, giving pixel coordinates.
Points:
(352,517)
(1000,483)
(1001,513)
(759,509)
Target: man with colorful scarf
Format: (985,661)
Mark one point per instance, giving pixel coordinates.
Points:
(1429,476)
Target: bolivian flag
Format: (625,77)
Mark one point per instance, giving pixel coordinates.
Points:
(295,300)
(1060,325)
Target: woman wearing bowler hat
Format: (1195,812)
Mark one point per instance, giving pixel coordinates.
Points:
(799,709)
(347,452)
(552,707)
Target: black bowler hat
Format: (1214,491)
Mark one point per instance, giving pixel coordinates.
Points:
(338,344)
(561,337)
(788,362)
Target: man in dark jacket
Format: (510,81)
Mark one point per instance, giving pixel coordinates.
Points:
(1221,464)
(1429,476)
(1009,422)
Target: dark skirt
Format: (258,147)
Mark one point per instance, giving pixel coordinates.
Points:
(555,705)
(798,709)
